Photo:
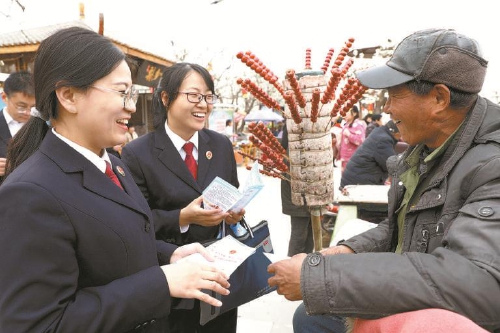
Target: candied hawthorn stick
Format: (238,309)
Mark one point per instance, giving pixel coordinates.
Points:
(308,59)
(272,159)
(315,104)
(265,135)
(327,61)
(342,98)
(290,76)
(254,63)
(292,105)
(343,53)
(331,86)
(259,93)
(346,66)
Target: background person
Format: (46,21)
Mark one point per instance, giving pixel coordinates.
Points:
(301,236)
(81,255)
(368,164)
(131,133)
(19,97)
(352,135)
(181,105)
(376,122)
(439,247)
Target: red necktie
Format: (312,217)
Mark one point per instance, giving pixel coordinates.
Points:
(111,175)
(189,160)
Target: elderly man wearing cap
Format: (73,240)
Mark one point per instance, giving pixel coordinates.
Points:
(439,247)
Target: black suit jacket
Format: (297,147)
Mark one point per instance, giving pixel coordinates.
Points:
(78,254)
(166,183)
(5,137)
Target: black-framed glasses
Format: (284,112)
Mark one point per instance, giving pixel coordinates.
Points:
(196,98)
(131,94)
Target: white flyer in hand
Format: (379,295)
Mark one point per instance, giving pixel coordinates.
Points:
(227,252)
(223,195)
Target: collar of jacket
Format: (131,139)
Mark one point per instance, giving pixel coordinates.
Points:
(463,140)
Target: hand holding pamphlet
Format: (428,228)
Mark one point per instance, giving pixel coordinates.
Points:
(227,252)
(221,194)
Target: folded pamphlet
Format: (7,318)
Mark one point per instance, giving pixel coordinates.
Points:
(227,252)
(223,195)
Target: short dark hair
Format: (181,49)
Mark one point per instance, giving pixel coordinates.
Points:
(376,116)
(170,83)
(19,82)
(458,99)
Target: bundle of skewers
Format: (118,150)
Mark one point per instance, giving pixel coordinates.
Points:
(313,98)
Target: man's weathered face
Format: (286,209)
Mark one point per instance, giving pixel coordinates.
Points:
(412,114)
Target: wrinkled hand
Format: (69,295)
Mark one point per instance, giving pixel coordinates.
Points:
(187,279)
(339,249)
(287,276)
(3,162)
(186,250)
(234,218)
(195,214)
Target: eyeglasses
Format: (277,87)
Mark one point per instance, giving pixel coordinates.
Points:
(128,95)
(197,97)
(23,109)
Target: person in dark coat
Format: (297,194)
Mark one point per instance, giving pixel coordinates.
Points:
(301,237)
(439,247)
(79,254)
(182,102)
(19,97)
(375,123)
(368,164)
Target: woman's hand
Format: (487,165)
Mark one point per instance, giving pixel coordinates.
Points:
(186,250)
(195,214)
(234,218)
(187,279)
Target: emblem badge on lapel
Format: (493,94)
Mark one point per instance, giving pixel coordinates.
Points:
(120,171)
(209,155)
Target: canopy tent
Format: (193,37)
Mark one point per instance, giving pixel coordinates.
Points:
(264,114)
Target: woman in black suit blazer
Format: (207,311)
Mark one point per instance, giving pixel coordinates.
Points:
(78,251)
(181,106)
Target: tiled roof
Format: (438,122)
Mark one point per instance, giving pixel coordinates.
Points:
(34,36)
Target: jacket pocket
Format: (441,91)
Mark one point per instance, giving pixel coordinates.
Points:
(485,210)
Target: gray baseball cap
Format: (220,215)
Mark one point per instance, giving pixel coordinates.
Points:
(433,55)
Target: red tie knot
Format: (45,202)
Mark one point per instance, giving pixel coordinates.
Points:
(188,148)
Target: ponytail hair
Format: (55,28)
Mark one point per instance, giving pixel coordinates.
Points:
(25,143)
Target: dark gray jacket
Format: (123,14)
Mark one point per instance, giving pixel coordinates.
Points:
(451,248)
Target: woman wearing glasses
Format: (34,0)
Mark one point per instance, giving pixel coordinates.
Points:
(81,254)
(157,160)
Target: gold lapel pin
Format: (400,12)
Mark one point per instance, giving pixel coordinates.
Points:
(209,155)
(120,171)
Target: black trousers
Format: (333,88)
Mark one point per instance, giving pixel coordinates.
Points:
(188,321)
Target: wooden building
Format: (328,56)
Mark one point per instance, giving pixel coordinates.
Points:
(18,48)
